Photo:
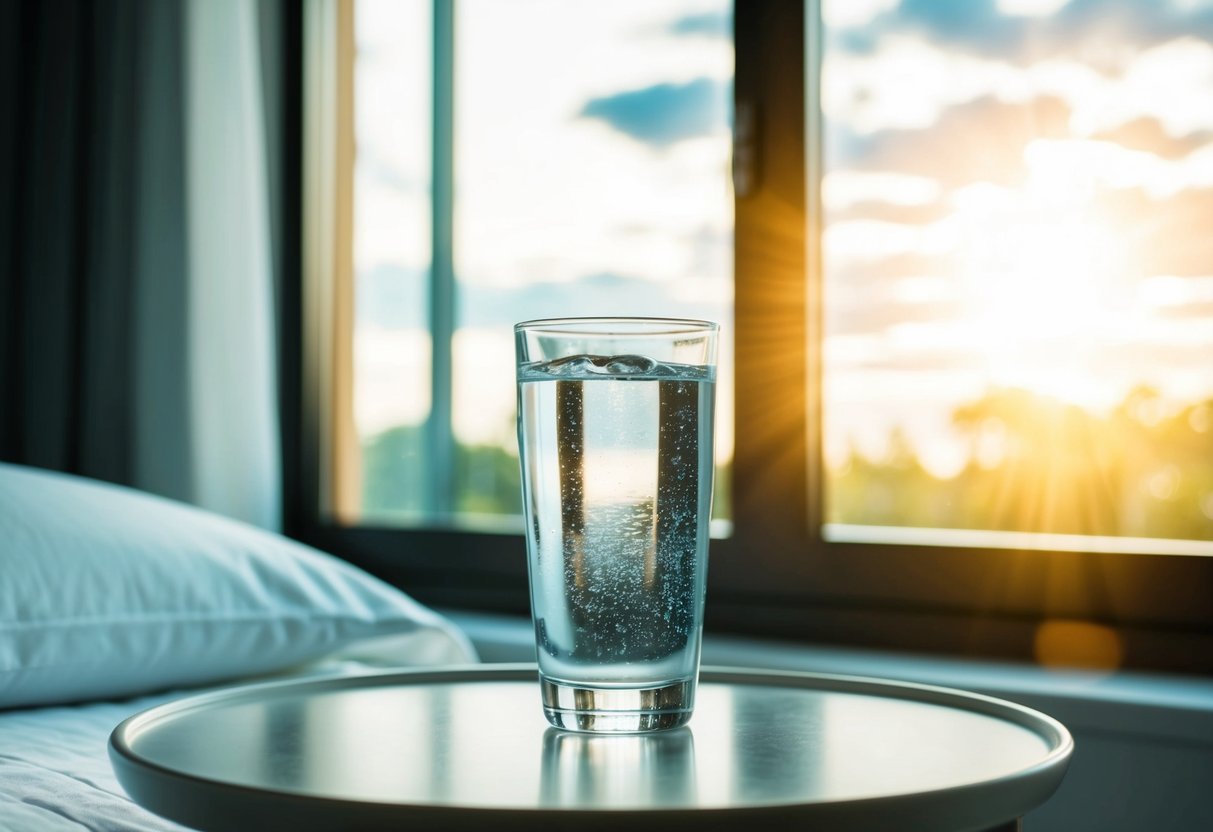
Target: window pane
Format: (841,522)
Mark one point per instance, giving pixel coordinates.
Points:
(590,177)
(1018,278)
(592,155)
(391,237)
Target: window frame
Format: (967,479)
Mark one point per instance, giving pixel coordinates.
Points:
(775,575)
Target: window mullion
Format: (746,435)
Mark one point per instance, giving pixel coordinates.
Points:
(440,444)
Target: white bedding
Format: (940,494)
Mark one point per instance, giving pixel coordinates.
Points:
(108,593)
(55,773)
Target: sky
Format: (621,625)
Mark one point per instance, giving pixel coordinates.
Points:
(591,163)
(1016,193)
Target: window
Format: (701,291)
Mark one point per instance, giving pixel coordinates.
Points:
(882,215)
(1018,306)
(513,161)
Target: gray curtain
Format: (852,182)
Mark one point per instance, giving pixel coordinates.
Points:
(138,168)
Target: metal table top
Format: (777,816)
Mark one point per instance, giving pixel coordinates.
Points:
(469,748)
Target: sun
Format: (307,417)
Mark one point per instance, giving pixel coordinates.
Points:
(1044,276)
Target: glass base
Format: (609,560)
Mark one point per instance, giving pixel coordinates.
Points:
(617,710)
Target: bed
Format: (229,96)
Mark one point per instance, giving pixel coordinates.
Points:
(112,601)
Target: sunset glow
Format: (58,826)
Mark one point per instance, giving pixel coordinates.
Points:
(1017,265)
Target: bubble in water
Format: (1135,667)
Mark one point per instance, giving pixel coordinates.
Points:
(620,567)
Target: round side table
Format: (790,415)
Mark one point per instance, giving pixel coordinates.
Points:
(469,749)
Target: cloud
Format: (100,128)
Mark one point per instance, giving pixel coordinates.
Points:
(1180,294)
(1147,133)
(907,82)
(841,189)
(889,212)
(1099,166)
(1030,8)
(1168,236)
(604,293)
(665,114)
(855,314)
(1082,27)
(392,297)
(982,140)
(713,24)
(710,266)
(1201,312)
(906,79)
(882,196)
(845,14)
(869,298)
(870,241)
(1171,82)
(879,276)
(961,22)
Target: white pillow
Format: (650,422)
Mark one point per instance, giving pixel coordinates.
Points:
(107,592)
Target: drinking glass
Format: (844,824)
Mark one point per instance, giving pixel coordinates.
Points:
(615,421)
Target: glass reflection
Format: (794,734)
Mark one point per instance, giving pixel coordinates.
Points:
(583,770)
(778,743)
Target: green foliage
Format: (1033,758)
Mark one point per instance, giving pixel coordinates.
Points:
(1035,464)
(393,473)
(1042,465)
(395,483)
(487,478)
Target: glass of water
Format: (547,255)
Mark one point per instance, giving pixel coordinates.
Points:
(615,420)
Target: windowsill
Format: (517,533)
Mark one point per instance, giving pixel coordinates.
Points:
(1154,706)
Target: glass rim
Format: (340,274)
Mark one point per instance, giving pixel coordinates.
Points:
(617,327)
